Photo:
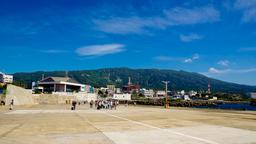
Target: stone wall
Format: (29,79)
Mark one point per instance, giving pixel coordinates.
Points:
(64,98)
(54,99)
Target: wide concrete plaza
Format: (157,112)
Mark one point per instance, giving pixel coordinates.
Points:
(57,124)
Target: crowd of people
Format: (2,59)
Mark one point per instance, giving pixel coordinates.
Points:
(98,104)
(104,104)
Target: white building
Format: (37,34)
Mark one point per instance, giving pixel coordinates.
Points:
(122,96)
(147,93)
(192,93)
(4,78)
(214,98)
(160,94)
(182,92)
(253,95)
(186,97)
(118,90)
(61,84)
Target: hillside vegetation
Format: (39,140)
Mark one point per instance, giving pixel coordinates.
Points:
(147,78)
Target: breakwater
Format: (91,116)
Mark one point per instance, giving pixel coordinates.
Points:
(231,105)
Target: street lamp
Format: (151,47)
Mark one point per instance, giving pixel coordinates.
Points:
(166,94)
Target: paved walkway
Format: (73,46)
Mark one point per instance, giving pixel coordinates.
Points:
(56,124)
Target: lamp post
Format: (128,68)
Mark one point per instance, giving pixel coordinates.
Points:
(166,94)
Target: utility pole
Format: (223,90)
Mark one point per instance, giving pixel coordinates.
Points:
(166,94)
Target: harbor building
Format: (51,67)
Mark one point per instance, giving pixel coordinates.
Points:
(61,84)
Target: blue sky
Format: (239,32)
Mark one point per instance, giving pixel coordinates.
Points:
(215,38)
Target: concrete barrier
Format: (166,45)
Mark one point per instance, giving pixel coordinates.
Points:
(23,96)
(64,98)
(20,95)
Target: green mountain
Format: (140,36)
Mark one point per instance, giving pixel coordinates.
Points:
(147,78)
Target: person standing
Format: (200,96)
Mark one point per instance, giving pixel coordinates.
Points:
(91,104)
(11,104)
(73,105)
(111,104)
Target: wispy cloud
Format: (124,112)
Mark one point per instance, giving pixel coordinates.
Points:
(193,58)
(173,17)
(247,49)
(213,70)
(100,50)
(190,37)
(248,7)
(53,51)
(223,63)
(177,59)
(164,58)
(199,15)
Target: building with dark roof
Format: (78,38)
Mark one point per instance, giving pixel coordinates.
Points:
(61,84)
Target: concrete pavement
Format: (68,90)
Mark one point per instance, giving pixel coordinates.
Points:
(56,124)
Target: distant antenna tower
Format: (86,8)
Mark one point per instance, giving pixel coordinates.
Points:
(66,74)
(129,82)
(209,88)
(108,76)
(42,76)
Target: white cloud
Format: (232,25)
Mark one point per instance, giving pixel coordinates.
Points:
(190,37)
(193,58)
(100,50)
(248,7)
(223,62)
(189,60)
(173,17)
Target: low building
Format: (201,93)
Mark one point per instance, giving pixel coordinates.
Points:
(122,96)
(131,88)
(182,92)
(147,93)
(4,78)
(89,89)
(61,84)
(214,98)
(192,93)
(160,94)
(253,95)
(186,97)
(118,90)
(111,87)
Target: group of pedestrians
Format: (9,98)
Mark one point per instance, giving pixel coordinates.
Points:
(104,104)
